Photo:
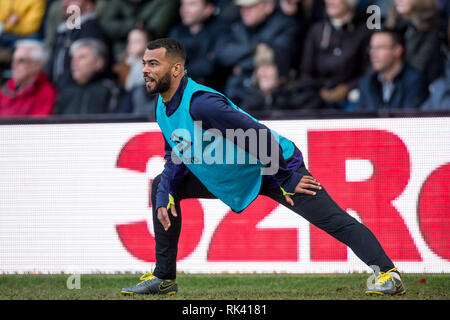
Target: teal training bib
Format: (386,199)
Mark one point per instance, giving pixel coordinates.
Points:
(226,170)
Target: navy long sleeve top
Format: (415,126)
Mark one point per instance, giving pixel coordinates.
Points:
(215,112)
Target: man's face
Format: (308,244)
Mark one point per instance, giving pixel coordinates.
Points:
(157,70)
(85,64)
(257,13)
(336,8)
(194,11)
(23,67)
(383,52)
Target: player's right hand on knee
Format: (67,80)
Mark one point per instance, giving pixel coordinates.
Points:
(163,215)
(304,186)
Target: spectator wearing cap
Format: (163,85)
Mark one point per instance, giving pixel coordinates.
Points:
(198,32)
(335,53)
(28,92)
(393,83)
(91,92)
(260,23)
(58,67)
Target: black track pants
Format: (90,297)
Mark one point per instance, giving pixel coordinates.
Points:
(320,210)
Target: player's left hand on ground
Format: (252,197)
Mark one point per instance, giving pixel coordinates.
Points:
(304,186)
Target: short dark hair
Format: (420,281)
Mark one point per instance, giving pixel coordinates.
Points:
(173,47)
(396,35)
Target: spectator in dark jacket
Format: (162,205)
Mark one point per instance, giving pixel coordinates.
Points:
(265,87)
(439,98)
(198,32)
(91,92)
(335,53)
(313,10)
(267,92)
(295,9)
(444,8)
(439,92)
(393,84)
(418,20)
(58,67)
(55,16)
(260,24)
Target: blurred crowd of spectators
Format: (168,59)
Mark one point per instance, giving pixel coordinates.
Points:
(69,57)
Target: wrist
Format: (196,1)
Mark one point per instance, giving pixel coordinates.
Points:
(288,187)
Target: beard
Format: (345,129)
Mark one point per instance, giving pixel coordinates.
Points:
(162,85)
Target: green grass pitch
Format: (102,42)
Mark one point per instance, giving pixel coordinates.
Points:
(221,287)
